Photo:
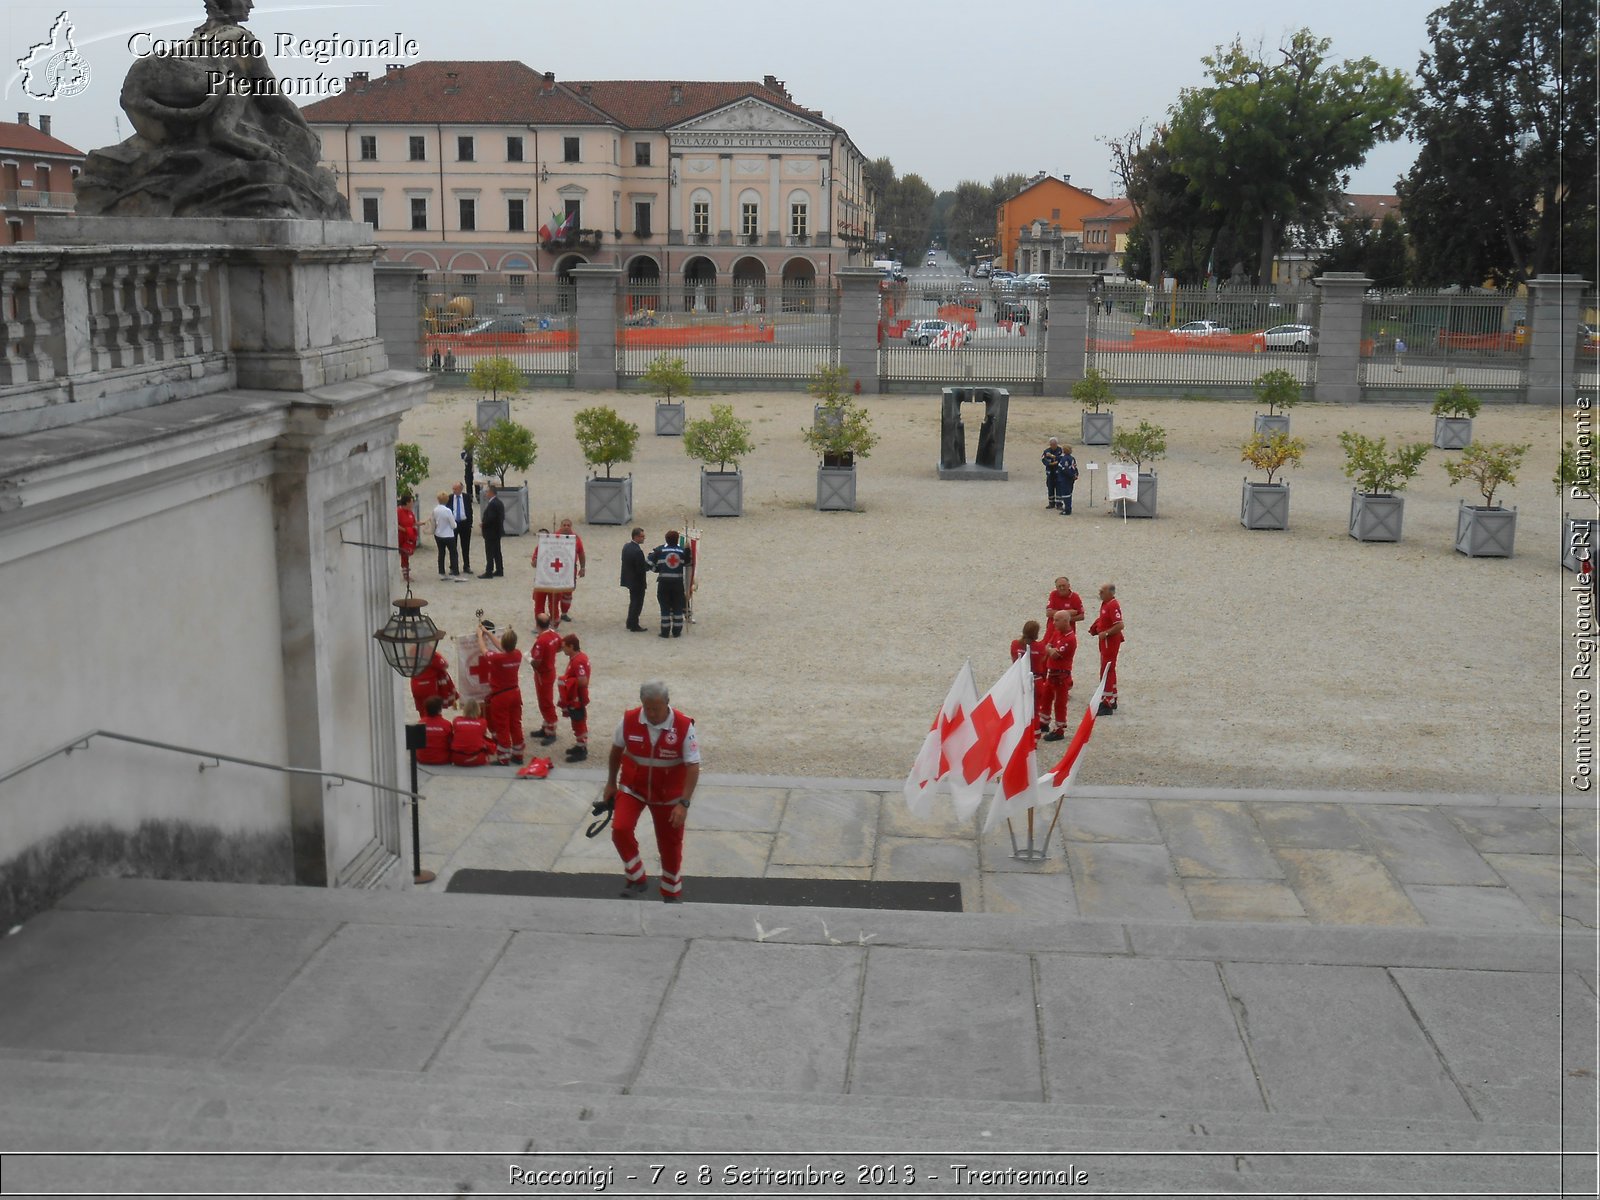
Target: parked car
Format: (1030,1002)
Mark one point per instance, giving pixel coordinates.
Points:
(922,332)
(1037,284)
(495,326)
(1290,337)
(1202,329)
(999,279)
(1013,310)
(981,271)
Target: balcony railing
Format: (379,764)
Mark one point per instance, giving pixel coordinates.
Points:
(31,199)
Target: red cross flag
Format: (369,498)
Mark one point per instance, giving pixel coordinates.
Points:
(1015,767)
(556,570)
(934,759)
(471,673)
(1065,772)
(1122,482)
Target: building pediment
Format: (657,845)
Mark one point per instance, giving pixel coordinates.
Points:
(750,124)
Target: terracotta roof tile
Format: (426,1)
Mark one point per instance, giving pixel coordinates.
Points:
(1372,205)
(1115,210)
(29,140)
(480,93)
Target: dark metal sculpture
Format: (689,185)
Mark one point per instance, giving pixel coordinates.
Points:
(214,136)
(991,459)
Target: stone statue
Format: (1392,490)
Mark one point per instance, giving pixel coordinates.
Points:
(214,136)
(990,462)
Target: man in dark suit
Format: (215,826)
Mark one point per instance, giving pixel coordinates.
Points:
(634,571)
(461,509)
(492,524)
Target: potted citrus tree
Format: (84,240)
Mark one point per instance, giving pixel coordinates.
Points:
(606,440)
(506,446)
(840,432)
(1376,507)
(1279,391)
(410,469)
(494,375)
(1575,481)
(665,377)
(1486,530)
(1266,505)
(724,439)
(1094,392)
(1146,443)
(1453,410)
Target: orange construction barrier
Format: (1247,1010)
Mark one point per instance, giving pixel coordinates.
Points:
(697,335)
(959,314)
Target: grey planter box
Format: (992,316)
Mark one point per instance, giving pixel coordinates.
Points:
(490,411)
(1376,516)
(608,501)
(1145,505)
(1096,428)
(722,493)
(1452,433)
(515,500)
(1485,532)
(669,420)
(1264,506)
(1268,424)
(1578,536)
(836,489)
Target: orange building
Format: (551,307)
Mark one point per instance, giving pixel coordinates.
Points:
(1047,199)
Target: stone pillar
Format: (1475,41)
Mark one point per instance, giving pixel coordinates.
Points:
(1555,304)
(1339,337)
(399,312)
(858,325)
(597,325)
(1069,328)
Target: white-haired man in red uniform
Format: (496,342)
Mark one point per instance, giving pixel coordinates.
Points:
(655,765)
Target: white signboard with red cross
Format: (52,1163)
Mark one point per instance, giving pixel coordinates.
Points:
(472,674)
(557,567)
(1122,482)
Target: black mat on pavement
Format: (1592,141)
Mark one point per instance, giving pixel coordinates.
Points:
(798,893)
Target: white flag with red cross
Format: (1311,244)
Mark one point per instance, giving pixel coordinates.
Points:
(1122,482)
(472,674)
(1065,772)
(1000,723)
(1016,766)
(557,567)
(948,732)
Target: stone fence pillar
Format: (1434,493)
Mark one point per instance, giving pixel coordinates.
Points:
(1339,337)
(1555,304)
(859,314)
(1069,329)
(399,313)
(597,325)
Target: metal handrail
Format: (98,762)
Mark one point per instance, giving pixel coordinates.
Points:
(82,742)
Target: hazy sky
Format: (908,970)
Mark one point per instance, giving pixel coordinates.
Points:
(950,90)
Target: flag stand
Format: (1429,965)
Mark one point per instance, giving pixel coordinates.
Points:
(1030,852)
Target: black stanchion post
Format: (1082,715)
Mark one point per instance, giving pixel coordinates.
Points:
(416,739)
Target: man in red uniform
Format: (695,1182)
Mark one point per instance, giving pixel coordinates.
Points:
(1059,648)
(471,744)
(544,662)
(575,695)
(505,693)
(408,534)
(434,681)
(1063,597)
(654,764)
(436,751)
(1108,628)
(1030,645)
(566,530)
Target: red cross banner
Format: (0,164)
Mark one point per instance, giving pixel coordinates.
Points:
(1014,766)
(945,743)
(472,677)
(557,568)
(1122,482)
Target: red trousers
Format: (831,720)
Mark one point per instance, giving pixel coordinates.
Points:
(552,603)
(544,687)
(1041,702)
(1057,687)
(669,841)
(1108,668)
(505,722)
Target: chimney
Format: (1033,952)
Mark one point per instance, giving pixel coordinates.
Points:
(770,82)
(587,90)
(677,93)
(549,81)
(358,78)
(393,68)
(22,118)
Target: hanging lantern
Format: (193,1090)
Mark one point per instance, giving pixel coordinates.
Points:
(408,640)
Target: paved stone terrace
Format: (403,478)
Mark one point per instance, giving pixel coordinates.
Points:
(1484,863)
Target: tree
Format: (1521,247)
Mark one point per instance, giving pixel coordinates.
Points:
(1380,254)
(410,468)
(666,374)
(1503,187)
(1168,214)
(495,375)
(970,220)
(1266,143)
(506,446)
(1487,464)
(604,437)
(721,438)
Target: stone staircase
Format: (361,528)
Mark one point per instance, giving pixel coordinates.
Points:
(315,1038)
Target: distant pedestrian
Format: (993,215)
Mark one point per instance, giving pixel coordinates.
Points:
(1108,628)
(492,524)
(1069,480)
(635,571)
(406,520)
(449,360)
(1054,459)
(461,510)
(444,534)
(670,562)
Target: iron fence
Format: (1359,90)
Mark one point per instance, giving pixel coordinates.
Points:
(1586,346)
(1424,341)
(1202,336)
(741,330)
(467,318)
(943,329)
